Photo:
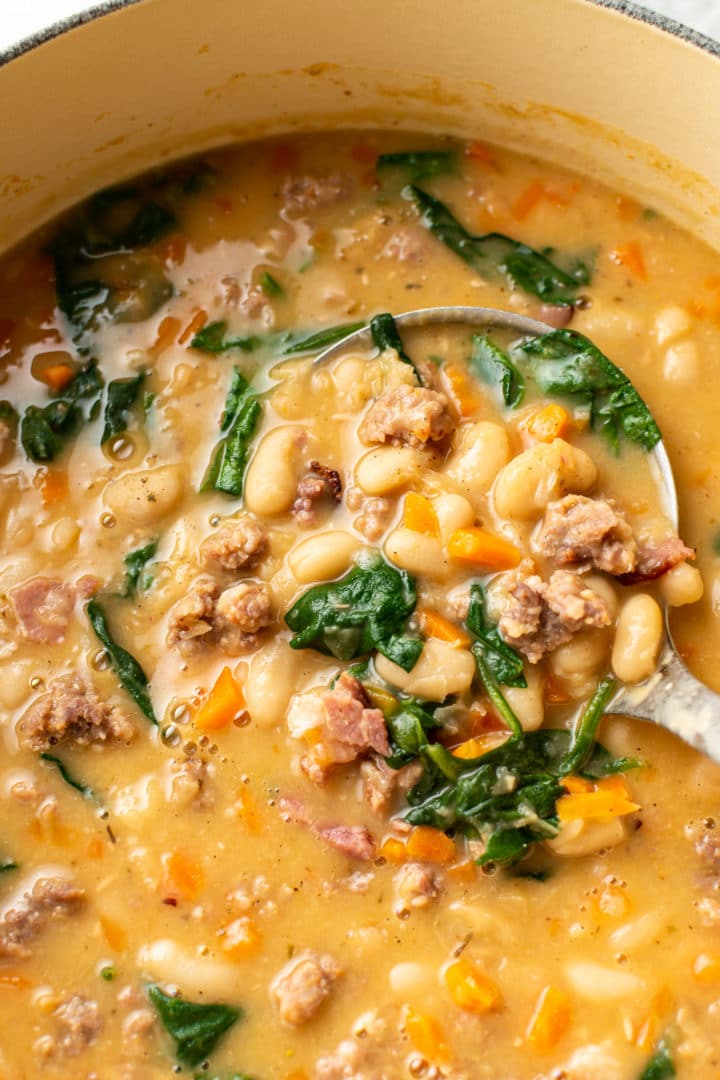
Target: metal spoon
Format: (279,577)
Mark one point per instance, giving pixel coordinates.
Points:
(672,697)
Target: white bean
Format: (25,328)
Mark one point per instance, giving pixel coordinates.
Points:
(165,960)
(441,670)
(417,553)
(681,364)
(577,662)
(388,469)
(527,703)
(605,589)
(639,932)
(453,512)
(270,681)
(148,496)
(681,585)
(481,451)
(638,637)
(577,838)
(598,982)
(537,476)
(272,477)
(322,557)
(411,980)
(671,322)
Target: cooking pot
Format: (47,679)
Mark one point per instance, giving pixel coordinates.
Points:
(601,86)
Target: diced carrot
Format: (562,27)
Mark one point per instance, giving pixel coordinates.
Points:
(186,874)
(550,1020)
(594,806)
(167,333)
(631,257)
(463,871)
(554,692)
(480,151)
(471,989)
(706,968)
(240,938)
(437,626)
(543,425)
(480,744)
(427,1036)
(419,515)
(193,327)
(115,934)
(481,548)
(575,785)
(393,850)
(430,845)
(57,376)
(528,200)
(467,397)
(52,485)
(249,813)
(14,982)
(484,720)
(224,702)
(297,1074)
(615,784)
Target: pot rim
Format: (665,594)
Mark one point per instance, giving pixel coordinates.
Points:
(106,7)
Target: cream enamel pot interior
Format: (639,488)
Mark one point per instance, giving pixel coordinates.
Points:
(134,84)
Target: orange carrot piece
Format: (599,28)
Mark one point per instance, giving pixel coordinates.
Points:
(528,200)
(594,806)
(249,813)
(437,626)
(576,785)
(550,1020)
(480,744)
(631,257)
(224,702)
(427,1036)
(393,850)
(114,933)
(240,938)
(193,327)
(543,425)
(471,989)
(480,151)
(465,871)
(52,485)
(419,515)
(467,397)
(430,845)
(481,548)
(554,692)
(167,333)
(186,874)
(57,376)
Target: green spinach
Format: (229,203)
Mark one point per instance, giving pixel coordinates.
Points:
(240,418)
(321,339)
(365,610)
(385,335)
(196,1028)
(7,865)
(213,338)
(419,164)
(122,394)
(135,563)
(271,286)
(492,365)
(495,256)
(565,363)
(504,663)
(44,431)
(661,1065)
(125,666)
(85,790)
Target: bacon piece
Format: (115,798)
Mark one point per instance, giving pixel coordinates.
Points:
(656,559)
(43,608)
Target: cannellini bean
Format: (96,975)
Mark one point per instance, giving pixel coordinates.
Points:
(639,932)
(165,960)
(148,496)
(453,512)
(410,980)
(481,450)
(441,670)
(417,553)
(388,469)
(527,703)
(670,323)
(537,476)
(15,682)
(598,982)
(681,363)
(577,662)
(681,585)
(322,557)
(604,588)
(579,837)
(638,637)
(64,533)
(266,694)
(272,477)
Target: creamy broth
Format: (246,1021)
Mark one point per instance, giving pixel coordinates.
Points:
(237,853)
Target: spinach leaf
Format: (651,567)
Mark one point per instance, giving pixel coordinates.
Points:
(385,335)
(45,430)
(8,864)
(493,365)
(409,723)
(583,737)
(494,255)
(322,339)
(364,610)
(135,562)
(121,396)
(196,1028)
(420,164)
(84,789)
(125,666)
(503,661)
(271,286)
(660,1066)
(240,418)
(565,363)
(212,339)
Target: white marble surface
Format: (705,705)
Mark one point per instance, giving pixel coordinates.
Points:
(20,18)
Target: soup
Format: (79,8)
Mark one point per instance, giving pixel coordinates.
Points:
(307,772)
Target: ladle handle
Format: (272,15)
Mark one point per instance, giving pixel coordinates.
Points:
(676,700)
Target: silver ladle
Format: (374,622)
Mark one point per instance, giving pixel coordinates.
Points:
(672,697)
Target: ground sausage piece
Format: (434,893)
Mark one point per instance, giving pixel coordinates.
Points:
(307,192)
(50,899)
(300,987)
(353,840)
(380,782)
(321,484)
(191,618)
(343,727)
(375,514)
(415,886)
(578,531)
(656,559)
(407,416)
(79,1024)
(540,615)
(241,612)
(239,544)
(72,712)
(190,784)
(43,608)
